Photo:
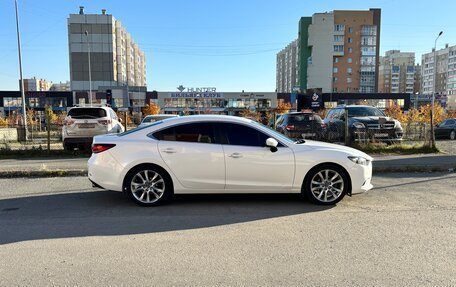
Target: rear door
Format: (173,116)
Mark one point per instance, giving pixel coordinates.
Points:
(250,165)
(87,122)
(192,154)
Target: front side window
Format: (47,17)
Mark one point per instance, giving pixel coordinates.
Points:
(193,132)
(236,134)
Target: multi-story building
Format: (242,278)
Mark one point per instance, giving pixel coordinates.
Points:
(62,87)
(397,72)
(287,68)
(417,84)
(36,85)
(115,60)
(339,51)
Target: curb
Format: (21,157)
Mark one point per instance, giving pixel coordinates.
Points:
(42,173)
(392,169)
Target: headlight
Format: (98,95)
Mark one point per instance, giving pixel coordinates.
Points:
(359,160)
(397,125)
(358,125)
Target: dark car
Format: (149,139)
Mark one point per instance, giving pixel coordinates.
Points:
(365,123)
(301,125)
(446,129)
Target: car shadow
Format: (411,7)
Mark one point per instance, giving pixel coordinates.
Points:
(108,213)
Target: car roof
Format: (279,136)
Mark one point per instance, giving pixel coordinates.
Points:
(204,118)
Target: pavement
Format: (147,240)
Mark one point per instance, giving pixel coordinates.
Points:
(47,167)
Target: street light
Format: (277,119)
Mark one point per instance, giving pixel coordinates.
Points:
(24,115)
(434,91)
(90,73)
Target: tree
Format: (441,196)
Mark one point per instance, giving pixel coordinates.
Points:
(246,113)
(31,117)
(4,122)
(151,109)
(395,111)
(283,107)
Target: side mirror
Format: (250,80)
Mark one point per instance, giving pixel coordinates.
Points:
(272,144)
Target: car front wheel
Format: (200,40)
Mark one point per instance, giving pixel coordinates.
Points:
(326,184)
(148,186)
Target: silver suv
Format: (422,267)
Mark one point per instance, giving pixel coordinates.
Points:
(83,123)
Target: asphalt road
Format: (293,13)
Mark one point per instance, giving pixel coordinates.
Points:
(60,231)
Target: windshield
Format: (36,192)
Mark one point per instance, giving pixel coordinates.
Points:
(87,113)
(364,112)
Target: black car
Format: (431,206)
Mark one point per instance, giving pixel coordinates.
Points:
(365,123)
(301,125)
(446,129)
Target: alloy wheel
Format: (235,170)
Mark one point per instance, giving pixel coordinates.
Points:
(147,186)
(327,185)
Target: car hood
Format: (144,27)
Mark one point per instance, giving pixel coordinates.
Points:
(370,119)
(329,146)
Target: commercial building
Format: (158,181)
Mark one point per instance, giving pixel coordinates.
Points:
(339,51)
(287,68)
(62,87)
(445,74)
(397,72)
(115,59)
(36,85)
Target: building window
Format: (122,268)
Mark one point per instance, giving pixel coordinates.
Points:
(349,60)
(336,60)
(349,70)
(350,40)
(350,29)
(338,48)
(335,70)
(350,50)
(339,27)
(338,38)
(349,80)
(335,79)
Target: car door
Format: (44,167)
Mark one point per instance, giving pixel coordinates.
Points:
(192,154)
(250,165)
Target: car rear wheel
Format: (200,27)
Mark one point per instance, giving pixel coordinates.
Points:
(326,184)
(453,135)
(148,186)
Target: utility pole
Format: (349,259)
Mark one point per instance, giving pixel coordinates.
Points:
(434,91)
(24,114)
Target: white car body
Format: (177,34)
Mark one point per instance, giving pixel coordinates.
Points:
(222,168)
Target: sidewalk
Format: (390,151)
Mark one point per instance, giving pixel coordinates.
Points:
(45,167)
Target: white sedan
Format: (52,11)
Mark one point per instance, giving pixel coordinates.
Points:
(223,154)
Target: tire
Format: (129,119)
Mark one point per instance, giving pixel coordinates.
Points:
(326,184)
(453,135)
(68,147)
(148,185)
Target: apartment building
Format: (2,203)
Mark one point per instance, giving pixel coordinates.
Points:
(339,51)
(287,68)
(115,59)
(397,72)
(36,85)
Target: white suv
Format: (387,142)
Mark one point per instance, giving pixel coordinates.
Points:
(83,123)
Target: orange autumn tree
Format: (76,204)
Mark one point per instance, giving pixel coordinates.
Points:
(283,107)
(395,111)
(151,109)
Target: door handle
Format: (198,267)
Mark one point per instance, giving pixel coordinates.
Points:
(235,155)
(169,150)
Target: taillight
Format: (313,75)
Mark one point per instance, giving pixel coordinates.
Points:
(289,127)
(68,122)
(104,122)
(97,148)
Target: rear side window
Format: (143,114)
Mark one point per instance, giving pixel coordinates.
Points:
(87,113)
(194,132)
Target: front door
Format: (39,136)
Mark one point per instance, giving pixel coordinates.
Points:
(250,165)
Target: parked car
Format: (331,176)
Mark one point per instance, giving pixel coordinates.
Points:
(223,154)
(301,125)
(155,118)
(83,123)
(446,129)
(364,123)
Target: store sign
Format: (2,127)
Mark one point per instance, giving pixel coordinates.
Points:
(197,90)
(197,95)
